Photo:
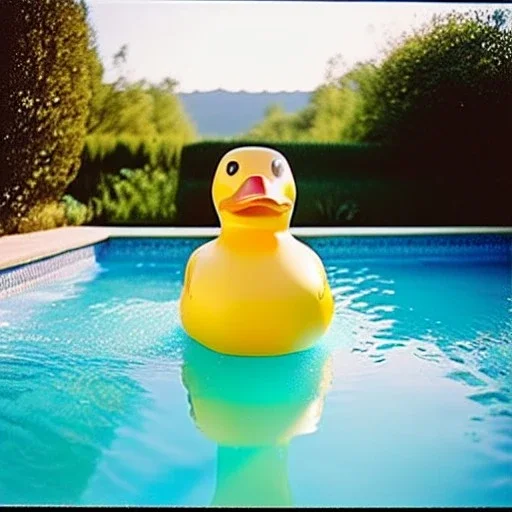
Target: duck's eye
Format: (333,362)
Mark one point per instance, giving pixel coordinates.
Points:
(232,168)
(277,167)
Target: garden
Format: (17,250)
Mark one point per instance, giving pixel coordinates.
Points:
(419,138)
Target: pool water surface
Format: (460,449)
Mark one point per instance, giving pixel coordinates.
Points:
(407,400)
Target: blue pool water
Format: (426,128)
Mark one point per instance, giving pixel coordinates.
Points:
(407,401)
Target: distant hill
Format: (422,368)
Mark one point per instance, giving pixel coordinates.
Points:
(225,114)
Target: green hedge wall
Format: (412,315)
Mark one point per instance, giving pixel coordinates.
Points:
(308,160)
(317,168)
(362,185)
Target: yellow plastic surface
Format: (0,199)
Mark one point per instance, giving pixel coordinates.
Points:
(255,290)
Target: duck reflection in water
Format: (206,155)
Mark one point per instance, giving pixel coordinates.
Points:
(252,407)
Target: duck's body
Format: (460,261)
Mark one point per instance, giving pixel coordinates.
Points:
(254,290)
(256,301)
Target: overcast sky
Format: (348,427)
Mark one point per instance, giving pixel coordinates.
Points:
(250,46)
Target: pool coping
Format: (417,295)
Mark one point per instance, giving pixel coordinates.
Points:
(21,249)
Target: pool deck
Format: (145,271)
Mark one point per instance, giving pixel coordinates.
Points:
(21,249)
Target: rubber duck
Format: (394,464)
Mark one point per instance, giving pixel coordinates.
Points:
(255,290)
(252,408)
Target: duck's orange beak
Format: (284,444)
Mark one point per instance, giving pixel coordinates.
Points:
(256,198)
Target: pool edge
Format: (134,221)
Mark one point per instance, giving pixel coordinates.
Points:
(23,249)
(201,232)
(40,245)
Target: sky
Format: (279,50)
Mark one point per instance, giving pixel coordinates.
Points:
(251,46)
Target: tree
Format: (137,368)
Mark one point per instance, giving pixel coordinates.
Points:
(168,115)
(44,96)
(333,104)
(121,55)
(329,115)
(277,125)
(137,109)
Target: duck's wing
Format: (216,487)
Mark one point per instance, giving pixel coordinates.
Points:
(317,262)
(321,270)
(191,264)
(189,269)
(325,283)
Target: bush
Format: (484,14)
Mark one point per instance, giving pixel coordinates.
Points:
(56,214)
(107,155)
(136,197)
(334,208)
(76,213)
(44,95)
(43,216)
(444,96)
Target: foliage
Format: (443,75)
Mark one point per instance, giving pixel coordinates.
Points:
(131,125)
(55,214)
(76,213)
(139,109)
(99,90)
(140,196)
(311,162)
(348,184)
(107,155)
(44,95)
(449,84)
(327,117)
(277,125)
(446,87)
(43,216)
(335,208)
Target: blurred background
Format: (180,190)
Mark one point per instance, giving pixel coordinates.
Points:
(390,114)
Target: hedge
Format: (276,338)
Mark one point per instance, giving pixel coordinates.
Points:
(310,162)
(356,184)
(323,160)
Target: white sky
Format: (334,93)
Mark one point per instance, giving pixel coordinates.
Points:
(250,46)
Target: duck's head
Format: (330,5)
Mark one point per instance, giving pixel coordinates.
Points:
(254,188)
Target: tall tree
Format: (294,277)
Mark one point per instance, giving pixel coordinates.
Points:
(44,96)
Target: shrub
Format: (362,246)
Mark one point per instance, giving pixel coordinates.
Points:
(44,95)
(43,216)
(136,197)
(55,214)
(107,155)
(76,213)
(444,95)
(335,208)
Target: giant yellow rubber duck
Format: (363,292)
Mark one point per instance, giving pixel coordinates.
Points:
(255,290)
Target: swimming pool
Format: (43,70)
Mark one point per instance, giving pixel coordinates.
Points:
(407,401)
